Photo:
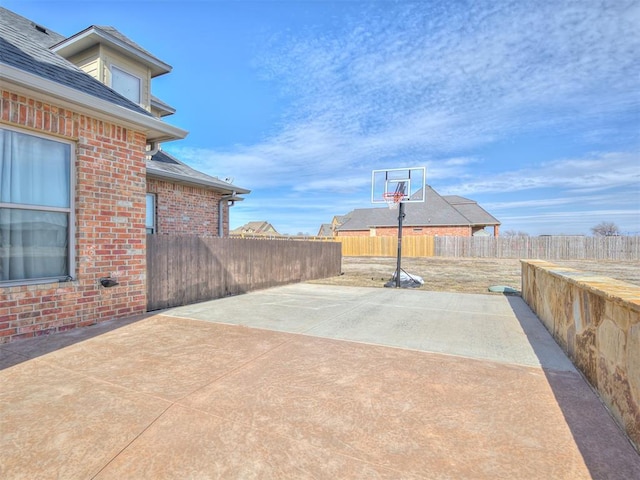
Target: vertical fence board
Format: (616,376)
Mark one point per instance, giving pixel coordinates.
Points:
(412,246)
(546,247)
(189,269)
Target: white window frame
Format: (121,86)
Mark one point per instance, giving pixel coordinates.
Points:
(71,225)
(125,73)
(153,226)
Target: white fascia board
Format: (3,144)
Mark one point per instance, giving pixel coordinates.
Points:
(93,35)
(183,179)
(28,84)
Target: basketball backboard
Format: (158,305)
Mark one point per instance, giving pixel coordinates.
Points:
(404,184)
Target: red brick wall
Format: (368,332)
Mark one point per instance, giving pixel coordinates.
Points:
(110,225)
(182,209)
(430,231)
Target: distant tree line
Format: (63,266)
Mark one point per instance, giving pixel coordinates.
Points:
(603,229)
(514,233)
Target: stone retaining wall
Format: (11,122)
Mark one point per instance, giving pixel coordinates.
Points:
(596,320)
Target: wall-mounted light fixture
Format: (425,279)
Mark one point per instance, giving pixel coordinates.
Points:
(108,282)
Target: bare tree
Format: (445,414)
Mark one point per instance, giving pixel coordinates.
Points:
(514,233)
(606,229)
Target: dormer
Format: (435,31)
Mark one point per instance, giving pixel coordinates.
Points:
(116,61)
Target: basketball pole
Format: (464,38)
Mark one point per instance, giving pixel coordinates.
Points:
(399,265)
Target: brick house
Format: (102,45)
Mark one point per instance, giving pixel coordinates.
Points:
(179,198)
(329,229)
(80,160)
(447,215)
(255,228)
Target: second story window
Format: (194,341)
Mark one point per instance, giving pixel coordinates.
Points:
(125,84)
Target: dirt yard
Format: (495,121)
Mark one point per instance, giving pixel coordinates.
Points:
(466,275)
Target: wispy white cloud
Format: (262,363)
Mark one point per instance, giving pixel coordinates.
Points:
(422,75)
(568,223)
(594,173)
(546,204)
(429,83)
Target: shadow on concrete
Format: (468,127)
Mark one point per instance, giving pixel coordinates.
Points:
(29,348)
(599,438)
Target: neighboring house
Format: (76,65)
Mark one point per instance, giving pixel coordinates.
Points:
(329,229)
(255,228)
(77,125)
(448,215)
(325,230)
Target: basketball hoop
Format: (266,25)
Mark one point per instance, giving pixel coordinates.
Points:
(397,187)
(393,199)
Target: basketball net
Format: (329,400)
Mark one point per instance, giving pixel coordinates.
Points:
(393,199)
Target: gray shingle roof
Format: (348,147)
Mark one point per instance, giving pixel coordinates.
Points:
(25,45)
(123,38)
(471,210)
(37,34)
(325,230)
(435,211)
(257,227)
(166,166)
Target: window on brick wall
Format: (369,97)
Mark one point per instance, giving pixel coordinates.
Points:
(36,217)
(151,213)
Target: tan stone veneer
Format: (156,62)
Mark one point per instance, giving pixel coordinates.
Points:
(596,320)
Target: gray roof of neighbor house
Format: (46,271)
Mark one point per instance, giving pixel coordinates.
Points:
(436,210)
(256,227)
(326,230)
(167,167)
(471,210)
(340,219)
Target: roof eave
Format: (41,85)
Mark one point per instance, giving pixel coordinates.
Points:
(93,35)
(485,224)
(416,225)
(43,89)
(162,107)
(219,187)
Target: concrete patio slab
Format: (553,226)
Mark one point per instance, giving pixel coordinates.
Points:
(308,381)
(478,326)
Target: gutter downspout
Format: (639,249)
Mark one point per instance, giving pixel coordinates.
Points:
(154,147)
(223,198)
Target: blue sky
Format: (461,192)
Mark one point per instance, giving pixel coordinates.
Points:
(531,108)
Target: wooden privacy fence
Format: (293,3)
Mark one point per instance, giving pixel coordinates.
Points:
(551,247)
(412,246)
(548,247)
(189,269)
